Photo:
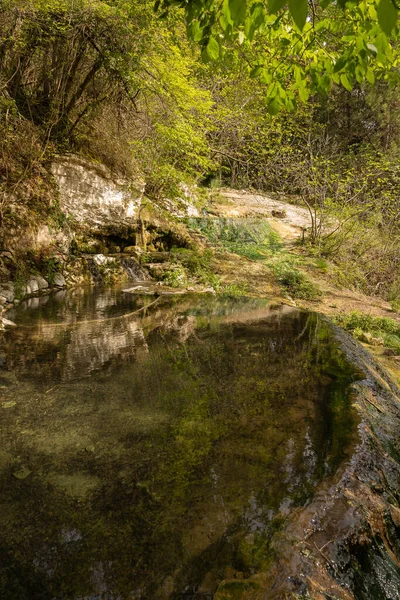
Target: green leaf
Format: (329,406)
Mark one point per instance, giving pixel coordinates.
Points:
(273,107)
(298,75)
(381,42)
(275,5)
(256,71)
(194,31)
(340,63)
(344,80)
(373,49)
(304,94)
(370,76)
(387,15)
(257,15)
(226,13)
(324,83)
(205,57)
(213,48)
(237,9)
(299,11)
(359,74)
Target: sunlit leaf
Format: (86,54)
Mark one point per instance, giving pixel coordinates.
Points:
(344,80)
(195,32)
(213,48)
(372,48)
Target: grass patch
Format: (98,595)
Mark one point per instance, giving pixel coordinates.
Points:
(250,238)
(191,266)
(358,324)
(295,283)
(234,289)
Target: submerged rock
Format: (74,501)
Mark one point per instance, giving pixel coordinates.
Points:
(141,289)
(78,485)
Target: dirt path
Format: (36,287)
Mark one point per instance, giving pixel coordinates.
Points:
(290,222)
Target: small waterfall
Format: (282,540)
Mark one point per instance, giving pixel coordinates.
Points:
(134,270)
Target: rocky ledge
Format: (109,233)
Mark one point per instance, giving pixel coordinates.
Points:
(11,293)
(150,288)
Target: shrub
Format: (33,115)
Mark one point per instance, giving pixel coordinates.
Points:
(358,323)
(295,282)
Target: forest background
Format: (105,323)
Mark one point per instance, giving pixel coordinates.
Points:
(301,103)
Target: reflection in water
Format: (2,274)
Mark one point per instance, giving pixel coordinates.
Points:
(154,448)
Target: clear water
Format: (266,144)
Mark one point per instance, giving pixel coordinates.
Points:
(151,449)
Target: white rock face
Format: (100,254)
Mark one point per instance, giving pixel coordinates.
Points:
(32,285)
(90,195)
(42,283)
(101,260)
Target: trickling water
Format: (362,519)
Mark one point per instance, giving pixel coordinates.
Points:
(134,270)
(151,449)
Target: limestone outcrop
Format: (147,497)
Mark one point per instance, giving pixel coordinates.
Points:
(92,197)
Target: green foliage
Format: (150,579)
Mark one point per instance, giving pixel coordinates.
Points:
(196,261)
(367,322)
(252,238)
(298,47)
(234,290)
(173,147)
(191,266)
(176,277)
(382,328)
(296,283)
(45,263)
(117,83)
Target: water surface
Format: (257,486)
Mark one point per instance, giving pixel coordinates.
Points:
(152,449)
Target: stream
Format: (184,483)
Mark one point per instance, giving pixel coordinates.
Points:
(153,448)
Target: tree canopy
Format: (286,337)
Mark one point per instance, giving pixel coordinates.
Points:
(297,47)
